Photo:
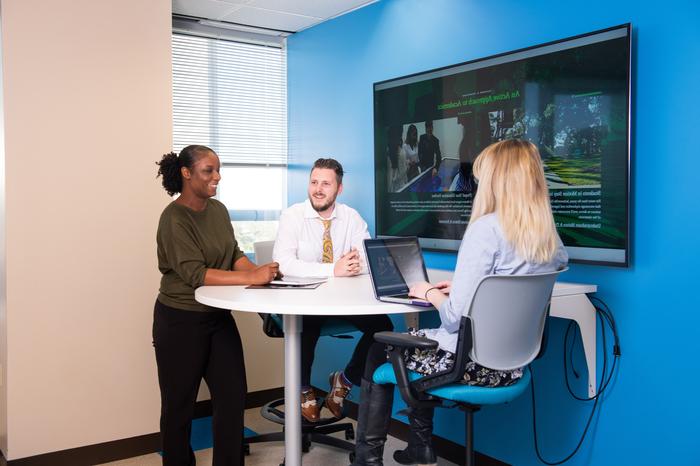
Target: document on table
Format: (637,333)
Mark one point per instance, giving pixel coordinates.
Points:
(298,281)
(292,283)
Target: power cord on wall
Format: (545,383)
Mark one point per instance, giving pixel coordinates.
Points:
(605,316)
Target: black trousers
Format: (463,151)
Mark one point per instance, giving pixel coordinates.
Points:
(190,346)
(368,325)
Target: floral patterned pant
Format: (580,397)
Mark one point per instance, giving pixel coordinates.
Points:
(428,362)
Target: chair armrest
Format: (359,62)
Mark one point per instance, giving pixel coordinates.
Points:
(414,393)
(456,372)
(403,340)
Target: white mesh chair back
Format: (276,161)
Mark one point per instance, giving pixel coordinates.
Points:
(508,313)
(263,251)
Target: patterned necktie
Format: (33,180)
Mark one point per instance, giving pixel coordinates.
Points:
(327,243)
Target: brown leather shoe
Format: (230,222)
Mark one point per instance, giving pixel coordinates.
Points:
(309,406)
(337,394)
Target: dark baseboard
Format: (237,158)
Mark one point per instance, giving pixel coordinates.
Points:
(259,398)
(129,447)
(95,454)
(252,400)
(444,448)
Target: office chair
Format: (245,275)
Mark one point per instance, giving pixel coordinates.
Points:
(317,432)
(503,330)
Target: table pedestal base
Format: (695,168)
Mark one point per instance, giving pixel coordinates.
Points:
(292,386)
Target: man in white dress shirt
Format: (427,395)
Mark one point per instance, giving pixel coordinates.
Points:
(323,238)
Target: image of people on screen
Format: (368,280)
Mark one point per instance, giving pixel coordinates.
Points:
(571,133)
(429,149)
(441,174)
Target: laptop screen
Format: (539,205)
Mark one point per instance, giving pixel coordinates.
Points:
(394,264)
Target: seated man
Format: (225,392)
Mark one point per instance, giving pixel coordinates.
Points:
(322,238)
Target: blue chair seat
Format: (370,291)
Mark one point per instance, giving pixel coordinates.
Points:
(458,392)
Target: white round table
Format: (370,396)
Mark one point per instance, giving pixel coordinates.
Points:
(337,296)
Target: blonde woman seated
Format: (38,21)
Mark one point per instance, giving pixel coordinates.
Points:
(511,231)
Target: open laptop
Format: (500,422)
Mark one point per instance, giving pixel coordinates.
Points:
(394,265)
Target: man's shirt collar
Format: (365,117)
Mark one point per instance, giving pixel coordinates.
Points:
(310,212)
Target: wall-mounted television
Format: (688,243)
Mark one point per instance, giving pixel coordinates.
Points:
(571,98)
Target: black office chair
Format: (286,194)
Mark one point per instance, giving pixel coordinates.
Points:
(503,330)
(312,432)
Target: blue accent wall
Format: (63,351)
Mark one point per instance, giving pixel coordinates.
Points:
(644,419)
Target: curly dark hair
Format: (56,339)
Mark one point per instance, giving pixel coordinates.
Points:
(331,164)
(170,164)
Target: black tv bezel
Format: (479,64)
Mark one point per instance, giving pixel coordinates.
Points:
(628,28)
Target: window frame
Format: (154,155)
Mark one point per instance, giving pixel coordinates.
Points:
(227,108)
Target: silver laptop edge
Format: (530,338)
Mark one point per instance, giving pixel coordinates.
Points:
(392,298)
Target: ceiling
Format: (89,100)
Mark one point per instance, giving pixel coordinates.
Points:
(269,16)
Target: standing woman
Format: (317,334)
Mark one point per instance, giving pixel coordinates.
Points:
(396,160)
(196,246)
(410,148)
(511,231)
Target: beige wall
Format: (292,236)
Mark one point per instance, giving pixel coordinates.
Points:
(3,294)
(87,112)
(264,356)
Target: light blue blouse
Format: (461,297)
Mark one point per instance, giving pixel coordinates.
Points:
(483,251)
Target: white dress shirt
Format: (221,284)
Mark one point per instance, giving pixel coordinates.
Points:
(411,152)
(299,244)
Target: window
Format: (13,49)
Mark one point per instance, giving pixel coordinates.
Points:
(232,97)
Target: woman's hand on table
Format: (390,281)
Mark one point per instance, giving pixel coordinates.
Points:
(444,286)
(435,294)
(419,290)
(264,273)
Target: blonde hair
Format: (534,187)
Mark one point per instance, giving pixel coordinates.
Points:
(512,184)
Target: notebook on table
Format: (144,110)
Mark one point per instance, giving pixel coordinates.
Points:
(292,283)
(394,265)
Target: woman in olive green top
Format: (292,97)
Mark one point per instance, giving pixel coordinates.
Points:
(196,246)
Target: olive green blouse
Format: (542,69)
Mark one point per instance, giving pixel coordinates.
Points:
(189,243)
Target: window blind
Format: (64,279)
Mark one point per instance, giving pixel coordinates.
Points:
(232,97)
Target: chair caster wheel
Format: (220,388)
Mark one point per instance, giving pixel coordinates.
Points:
(246,450)
(350,434)
(305,446)
(352,457)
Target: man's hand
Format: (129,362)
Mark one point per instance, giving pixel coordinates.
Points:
(348,265)
(264,273)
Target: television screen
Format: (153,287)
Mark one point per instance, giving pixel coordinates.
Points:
(570,98)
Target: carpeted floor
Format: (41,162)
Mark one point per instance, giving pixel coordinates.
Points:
(264,454)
